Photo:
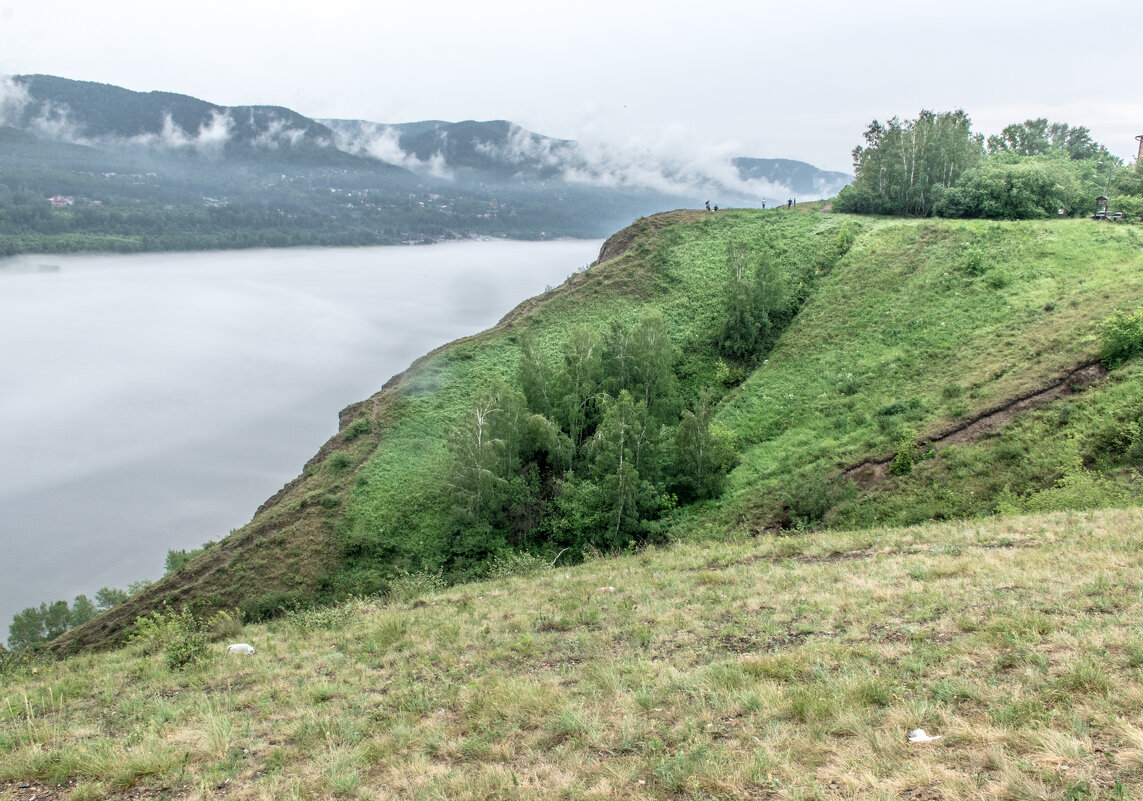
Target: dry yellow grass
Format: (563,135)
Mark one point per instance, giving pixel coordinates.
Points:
(770,668)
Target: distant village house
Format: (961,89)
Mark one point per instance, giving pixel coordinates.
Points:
(59,201)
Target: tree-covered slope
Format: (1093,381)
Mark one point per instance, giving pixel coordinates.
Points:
(894,355)
(111,116)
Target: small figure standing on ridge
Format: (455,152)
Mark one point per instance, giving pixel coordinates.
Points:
(789,202)
(708,205)
(716,207)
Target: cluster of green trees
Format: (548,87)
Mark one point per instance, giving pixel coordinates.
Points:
(936,166)
(589,452)
(40,624)
(757,303)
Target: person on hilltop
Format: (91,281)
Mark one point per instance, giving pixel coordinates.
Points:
(708,205)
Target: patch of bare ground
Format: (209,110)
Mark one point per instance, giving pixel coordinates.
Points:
(987,422)
(35,791)
(620,242)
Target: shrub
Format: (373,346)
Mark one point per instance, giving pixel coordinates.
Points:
(1122,339)
(338,461)
(359,427)
(223,625)
(181,635)
(516,563)
(408,586)
(902,463)
(270,605)
(809,500)
(974,262)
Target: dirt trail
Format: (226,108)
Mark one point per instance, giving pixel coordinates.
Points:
(873,470)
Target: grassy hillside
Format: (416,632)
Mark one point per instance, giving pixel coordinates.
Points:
(786,640)
(934,370)
(767,668)
(922,328)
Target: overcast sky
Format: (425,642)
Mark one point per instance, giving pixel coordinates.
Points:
(764,79)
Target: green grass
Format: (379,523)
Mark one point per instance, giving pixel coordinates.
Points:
(907,328)
(398,511)
(911,332)
(760,668)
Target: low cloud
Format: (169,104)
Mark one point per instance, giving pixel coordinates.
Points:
(383,142)
(209,140)
(54,122)
(671,165)
(278,133)
(57,122)
(13,98)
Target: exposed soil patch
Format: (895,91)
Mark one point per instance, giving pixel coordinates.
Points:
(35,791)
(620,242)
(750,643)
(871,471)
(813,559)
(930,792)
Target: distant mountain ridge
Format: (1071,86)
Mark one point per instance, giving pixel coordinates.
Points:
(101,115)
(500,149)
(485,152)
(803,179)
(90,166)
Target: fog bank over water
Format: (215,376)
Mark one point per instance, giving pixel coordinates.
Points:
(151,402)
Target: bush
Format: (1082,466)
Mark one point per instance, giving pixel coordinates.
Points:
(810,500)
(516,563)
(1122,339)
(409,586)
(20,661)
(177,560)
(223,625)
(902,463)
(182,636)
(338,461)
(359,427)
(270,605)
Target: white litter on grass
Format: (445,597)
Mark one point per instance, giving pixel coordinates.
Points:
(242,648)
(607,589)
(921,736)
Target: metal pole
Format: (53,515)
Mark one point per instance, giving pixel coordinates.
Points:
(1140,154)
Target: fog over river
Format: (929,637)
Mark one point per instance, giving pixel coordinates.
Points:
(151,402)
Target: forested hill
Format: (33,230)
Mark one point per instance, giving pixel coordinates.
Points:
(718,375)
(156,170)
(804,180)
(100,114)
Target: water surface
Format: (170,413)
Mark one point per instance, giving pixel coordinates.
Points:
(151,402)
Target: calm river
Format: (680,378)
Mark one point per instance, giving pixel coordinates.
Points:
(151,402)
